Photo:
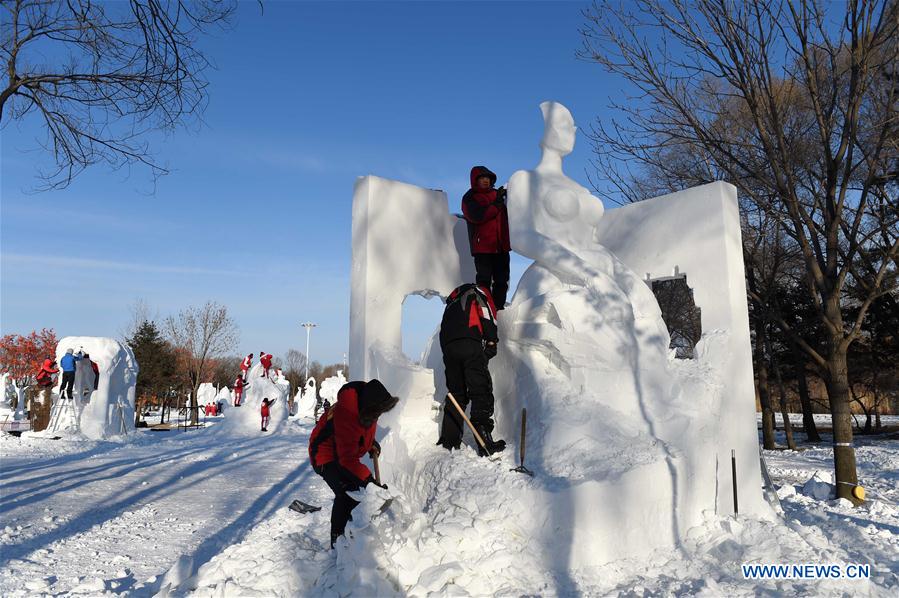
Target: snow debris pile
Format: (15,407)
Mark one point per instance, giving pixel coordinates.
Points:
(102,413)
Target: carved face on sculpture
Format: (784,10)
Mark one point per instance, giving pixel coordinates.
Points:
(559,128)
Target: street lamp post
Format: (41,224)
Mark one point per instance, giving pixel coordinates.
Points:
(308,326)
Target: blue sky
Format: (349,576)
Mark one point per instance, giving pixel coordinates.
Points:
(256,213)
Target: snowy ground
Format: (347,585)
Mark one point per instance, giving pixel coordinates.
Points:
(208,511)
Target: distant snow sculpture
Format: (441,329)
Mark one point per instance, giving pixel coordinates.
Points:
(246,420)
(107,411)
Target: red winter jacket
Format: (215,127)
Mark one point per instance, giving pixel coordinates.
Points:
(266,360)
(46,371)
(246,362)
(265,409)
(488,219)
(339,436)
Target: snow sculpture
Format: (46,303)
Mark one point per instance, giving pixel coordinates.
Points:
(205,394)
(107,411)
(305,400)
(246,419)
(631,446)
(331,386)
(429,261)
(225,398)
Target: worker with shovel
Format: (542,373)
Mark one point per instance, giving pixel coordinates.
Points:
(468,338)
(342,436)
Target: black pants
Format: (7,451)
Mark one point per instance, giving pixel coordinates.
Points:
(68,381)
(493,273)
(468,378)
(339,482)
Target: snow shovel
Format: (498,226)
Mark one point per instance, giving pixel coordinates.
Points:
(524,426)
(468,421)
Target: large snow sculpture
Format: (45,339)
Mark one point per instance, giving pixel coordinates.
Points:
(246,419)
(107,411)
(631,446)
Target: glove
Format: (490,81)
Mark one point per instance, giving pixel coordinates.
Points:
(501,195)
(375,450)
(490,350)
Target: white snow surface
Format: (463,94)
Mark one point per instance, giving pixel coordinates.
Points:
(206,512)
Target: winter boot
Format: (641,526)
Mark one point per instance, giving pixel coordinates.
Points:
(493,446)
(449,444)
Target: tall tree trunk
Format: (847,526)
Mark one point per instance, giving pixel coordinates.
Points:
(784,412)
(764,392)
(808,416)
(837,383)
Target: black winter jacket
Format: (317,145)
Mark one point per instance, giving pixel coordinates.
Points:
(469,313)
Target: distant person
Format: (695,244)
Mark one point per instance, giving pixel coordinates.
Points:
(95,368)
(266,360)
(468,338)
(485,211)
(265,411)
(239,385)
(45,375)
(245,365)
(67,363)
(343,435)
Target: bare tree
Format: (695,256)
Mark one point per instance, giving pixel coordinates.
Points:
(797,112)
(295,368)
(201,334)
(140,313)
(101,75)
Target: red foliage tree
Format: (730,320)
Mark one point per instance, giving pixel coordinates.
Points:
(22,356)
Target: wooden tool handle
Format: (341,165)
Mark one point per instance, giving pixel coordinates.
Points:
(524,427)
(374,460)
(467,421)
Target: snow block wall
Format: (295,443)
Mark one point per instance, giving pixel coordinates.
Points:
(698,232)
(630,446)
(405,242)
(107,411)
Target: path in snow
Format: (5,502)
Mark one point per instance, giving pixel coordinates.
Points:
(94,518)
(89,517)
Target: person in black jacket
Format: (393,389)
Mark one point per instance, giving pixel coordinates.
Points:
(468,338)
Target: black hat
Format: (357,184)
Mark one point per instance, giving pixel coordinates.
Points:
(375,400)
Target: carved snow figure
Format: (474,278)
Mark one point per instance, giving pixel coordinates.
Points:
(630,446)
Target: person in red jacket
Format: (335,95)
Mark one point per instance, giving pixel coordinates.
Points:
(265,412)
(239,385)
(45,375)
(245,365)
(485,211)
(343,434)
(95,368)
(266,360)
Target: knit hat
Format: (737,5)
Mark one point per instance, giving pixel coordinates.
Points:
(375,400)
(70,351)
